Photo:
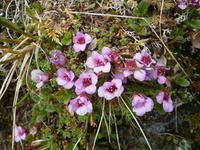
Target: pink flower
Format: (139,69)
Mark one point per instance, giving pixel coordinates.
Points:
(110,55)
(132,67)
(149,74)
(80,41)
(58,59)
(141,105)
(164,98)
(86,83)
(120,76)
(193,3)
(20,134)
(81,105)
(98,63)
(65,78)
(144,58)
(159,73)
(39,77)
(182,4)
(112,89)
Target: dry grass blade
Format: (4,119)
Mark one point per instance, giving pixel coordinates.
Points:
(116,130)
(101,120)
(20,79)
(136,122)
(8,79)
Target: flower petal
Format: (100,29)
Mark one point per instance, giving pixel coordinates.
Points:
(168,107)
(81,110)
(90,89)
(160,97)
(139,75)
(107,67)
(162,79)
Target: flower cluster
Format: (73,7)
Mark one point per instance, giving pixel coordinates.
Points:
(183,4)
(141,67)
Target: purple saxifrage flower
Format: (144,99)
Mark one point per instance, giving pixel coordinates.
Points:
(58,59)
(132,67)
(81,105)
(144,58)
(110,55)
(80,41)
(141,105)
(194,3)
(20,134)
(39,77)
(112,89)
(149,74)
(164,98)
(86,83)
(120,76)
(159,73)
(98,63)
(65,78)
(182,4)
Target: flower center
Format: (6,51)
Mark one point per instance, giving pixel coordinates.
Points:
(131,64)
(166,96)
(87,81)
(66,77)
(146,60)
(80,103)
(111,89)
(99,63)
(161,71)
(139,104)
(81,40)
(55,56)
(113,55)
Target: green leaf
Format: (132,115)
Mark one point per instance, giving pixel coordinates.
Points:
(183,82)
(53,82)
(176,32)
(12,26)
(68,35)
(175,141)
(144,22)
(169,138)
(41,116)
(138,29)
(124,42)
(25,96)
(194,24)
(29,11)
(37,7)
(31,14)
(63,96)
(95,30)
(50,108)
(90,7)
(80,1)
(36,98)
(159,108)
(76,26)
(143,7)
(66,41)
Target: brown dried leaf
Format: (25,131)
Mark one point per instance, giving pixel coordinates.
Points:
(92,45)
(93,122)
(196,40)
(33,130)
